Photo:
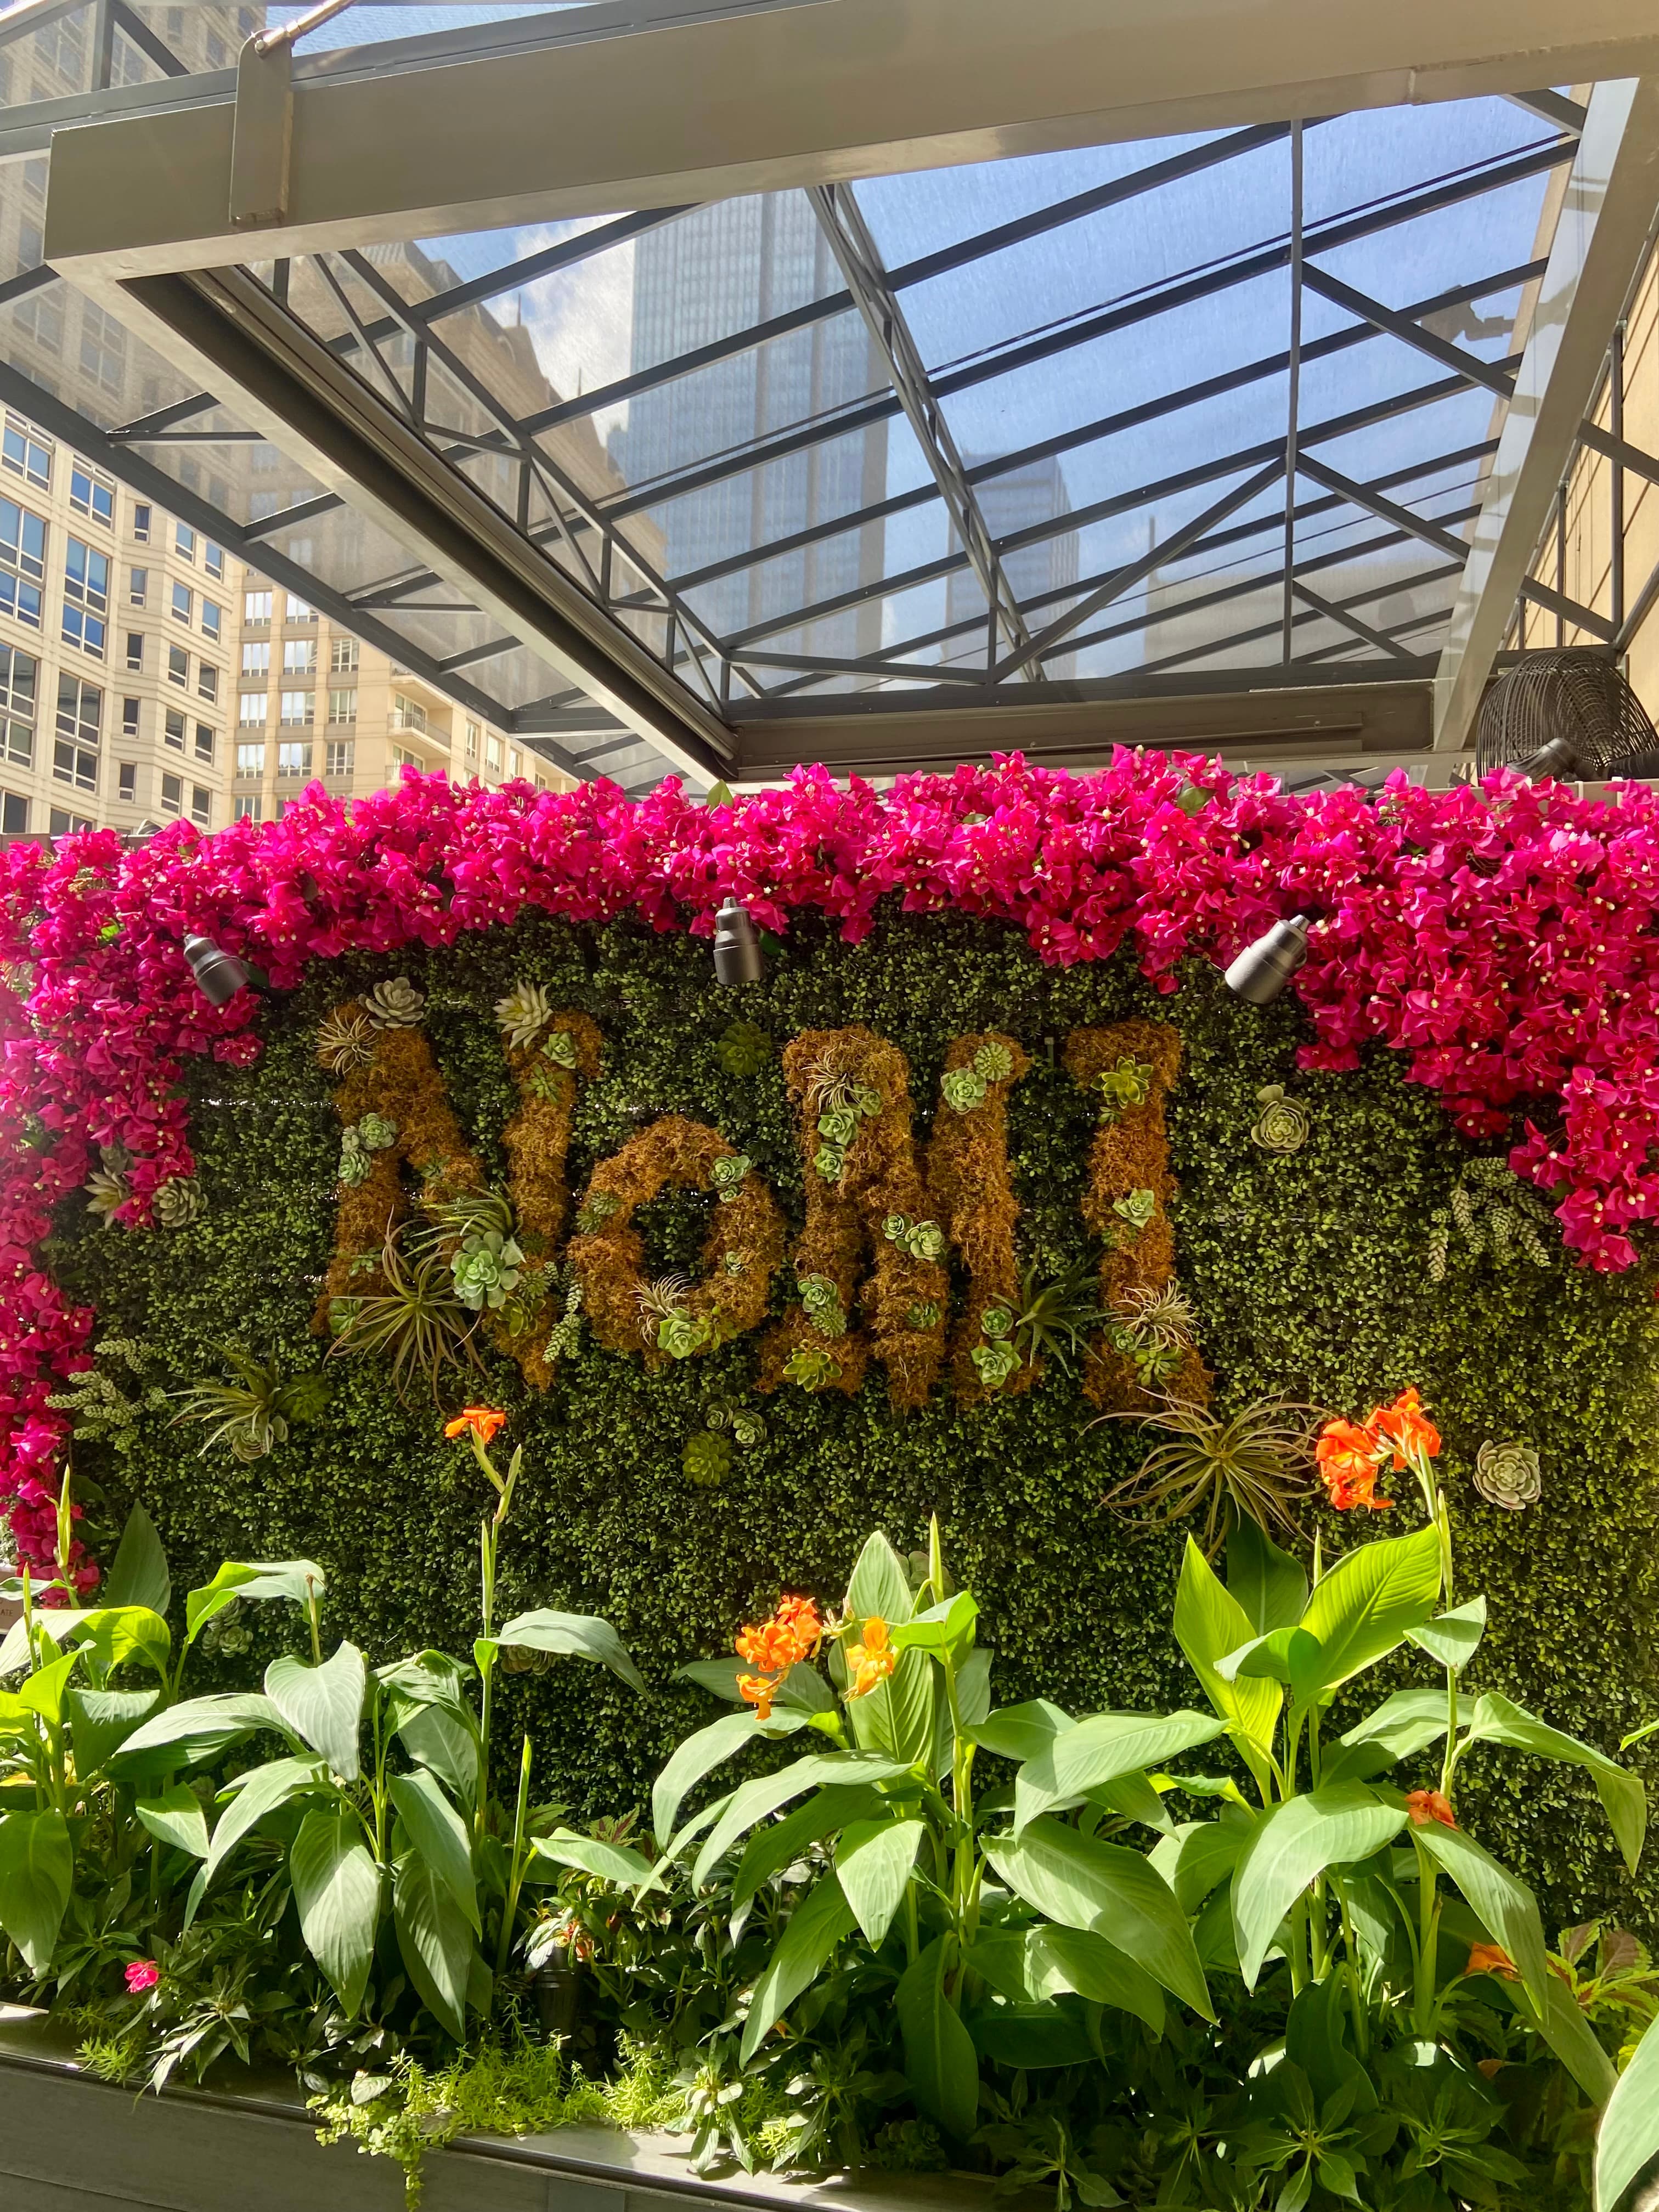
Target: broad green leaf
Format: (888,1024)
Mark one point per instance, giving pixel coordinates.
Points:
(578,1636)
(1198,1856)
(100,1721)
(1569,2035)
(879,1585)
(176,1817)
(55,1622)
(253,1796)
(941,1628)
(323,1704)
(116,1633)
(1502,1902)
(1407,1722)
(1369,1601)
(1021,1732)
(974,1687)
(180,1734)
(1099,1749)
(1497,1721)
(1132,1797)
(815,1926)
(1292,1842)
(337,1888)
(1045,2033)
(429,1678)
(47,1692)
(997,1955)
(700,1754)
(1210,1622)
(1452,1637)
(37,1867)
(138,1574)
(896,1716)
(1113,1891)
(767,1793)
(434,1941)
(803,1687)
(435,1738)
(1627,2142)
(940,2064)
(1268,1586)
(439,1834)
(776,1844)
(1289,1656)
(1060,1958)
(874,1859)
(612,1862)
(294,1580)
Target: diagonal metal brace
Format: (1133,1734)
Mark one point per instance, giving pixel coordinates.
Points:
(262,142)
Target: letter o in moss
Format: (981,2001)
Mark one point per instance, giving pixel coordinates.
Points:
(742,1252)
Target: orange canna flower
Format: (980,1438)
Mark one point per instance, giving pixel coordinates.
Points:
(1405,1427)
(1350,1460)
(1490,1958)
(482,1421)
(776,1645)
(1426,1805)
(872,1662)
(759,1689)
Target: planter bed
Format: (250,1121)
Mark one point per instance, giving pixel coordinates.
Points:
(69,2144)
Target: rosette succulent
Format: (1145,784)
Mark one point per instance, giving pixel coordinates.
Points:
(829,1162)
(707,1460)
(178,1202)
(839,1125)
(994,1362)
(595,1210)
(680,1334)
(360,1141)
(811,1367)
(560,1047)
(486,1270)
(345,1041)
(822,1301)
(1508,1474)
(995,1062)
(743,1049)
(1283,1126)
(921,1313)
(1129,1083)
(1135,1210)
(996,1323)
(525,1009)
(396,1006)
(920,1240)
(964,1088)
(107,1187)
(727,1176)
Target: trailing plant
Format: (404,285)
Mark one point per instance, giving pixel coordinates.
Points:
(99,1409)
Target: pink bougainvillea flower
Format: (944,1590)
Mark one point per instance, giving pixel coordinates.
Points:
(143,1974)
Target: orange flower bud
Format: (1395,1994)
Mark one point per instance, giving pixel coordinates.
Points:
(1426,1805)
(482,1421)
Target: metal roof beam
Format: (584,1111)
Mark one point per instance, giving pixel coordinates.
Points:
(546,118)
(1600,238)
(1490,374)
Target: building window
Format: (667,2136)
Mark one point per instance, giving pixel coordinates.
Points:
(138,585)
(253,710)
(213,557)
(256,607)
(135,650)
(22,561)
(103,348)
(126,779)
(299,611)
(296,710)
(80,710)
(184,540)
(18,674)
(294,759)
(207,681)
(60,822)
(16,743)
(129,718)
(178,667)
(74,763)
(173,794)
(339,756)
(205,743)
(473,733)
(25,454)
(141,525)
(402,758)
(173,729)
(256,660)
(249,760)
(514,761)
(212,615)
(493,753)
(14,815)
(249,808)
(342,656)
(183,600)
(91,494)
(86,597)
(299,656)
(342,706)
(407,713)
(201,806)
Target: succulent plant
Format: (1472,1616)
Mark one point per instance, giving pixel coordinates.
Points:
(595,1210)
(921,1240)
(997,1322)
(964,1088)
(680,1334)
(1494,1211)
(107,1187)
(360,1142)
(525,1009)
(659,1302)
(251,1413)
(564,1338)
(707,1460)
(1128,1083)
(486,1270)
(100,1410)
(995,1062)
(822,1301)
(811,1367)
(227,1636)
(994,1362)
(839,1125)
(1135,1209)
(1283,1126)
(396,1006)
(560,1047)
(344,1041)
(747,1427)
(179,1201)
(1508,1474)
(735,1262)
(727,1176)
(829,1162)
(922,1313)
(378,1132)
(743,1049)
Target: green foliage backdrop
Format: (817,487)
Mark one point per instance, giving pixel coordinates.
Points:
(1308,1272)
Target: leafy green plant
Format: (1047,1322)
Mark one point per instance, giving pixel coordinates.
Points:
(743,1048)
(417,1322)
(100,1410)
(1253,1465)
(252,1412)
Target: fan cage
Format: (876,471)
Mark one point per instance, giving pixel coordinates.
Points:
(1569,693)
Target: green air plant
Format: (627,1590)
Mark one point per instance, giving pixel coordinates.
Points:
(1152,1327)
(251,1409)
(416,1320)
(1494,1211)
(1055,1317)
(663,1300)
(1252,1465)
(451,1222)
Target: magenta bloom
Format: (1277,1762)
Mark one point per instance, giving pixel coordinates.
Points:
(143,1974)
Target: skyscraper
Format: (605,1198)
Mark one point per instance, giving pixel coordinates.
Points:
(1038,571)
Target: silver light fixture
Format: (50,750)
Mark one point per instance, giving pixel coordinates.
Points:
(219,974)
(1263,970)
(736,948)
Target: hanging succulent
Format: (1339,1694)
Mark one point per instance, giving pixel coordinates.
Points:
(1494,1211)
(251,1414)
(100,1410)
(1128,1083)
(396,1006)
(595,1210)
(1508,1474)
(920,1240)
(1135,1209)
(728,1175)
(821,1300)
(486,1270)
(107,1187)
(1283,1126)
(812,1368)
(344,1041)
(525,1009)
(564,1338)
(743,1049)
(707,1460)
(178,1202)
(964,1088)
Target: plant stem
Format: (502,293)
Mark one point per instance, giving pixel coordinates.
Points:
(516,1866)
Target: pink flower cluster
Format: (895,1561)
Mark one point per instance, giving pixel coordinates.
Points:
(1507,940)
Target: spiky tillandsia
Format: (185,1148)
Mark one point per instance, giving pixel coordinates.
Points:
(417,1319)
(661,1301)
(345,1041)
(252,1412)
(451,1221)
(1153,1328)
(1055,1317)
(1255,1463)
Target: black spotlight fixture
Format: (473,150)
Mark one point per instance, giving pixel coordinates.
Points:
(1263,970)
(219,974)
(736,948)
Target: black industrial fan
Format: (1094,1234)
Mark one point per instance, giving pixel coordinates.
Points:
(1569,714)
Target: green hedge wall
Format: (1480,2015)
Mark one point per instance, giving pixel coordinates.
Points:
(1308,1272)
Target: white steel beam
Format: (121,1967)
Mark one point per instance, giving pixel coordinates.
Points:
(542,118)
(1607,219)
